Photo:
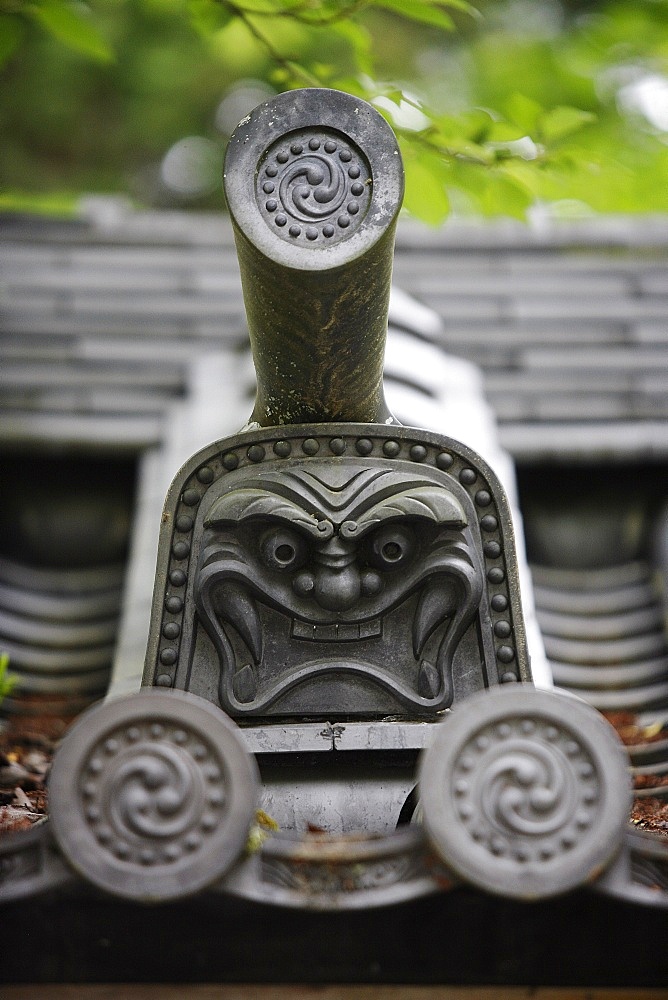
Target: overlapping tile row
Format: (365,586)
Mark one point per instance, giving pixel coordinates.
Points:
(58,628)
(605,638)
(101,319)
(568,324)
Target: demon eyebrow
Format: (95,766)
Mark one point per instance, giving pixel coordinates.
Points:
(428,503)
(243,504)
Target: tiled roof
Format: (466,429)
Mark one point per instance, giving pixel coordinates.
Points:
(569,324)
(101,318)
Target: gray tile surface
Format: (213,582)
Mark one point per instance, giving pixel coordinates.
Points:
(100,317)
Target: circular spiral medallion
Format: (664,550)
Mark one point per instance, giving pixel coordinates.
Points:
(152,796)
(313,187)
(525,792)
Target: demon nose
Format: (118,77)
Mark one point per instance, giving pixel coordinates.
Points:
(337,590)
(337,578)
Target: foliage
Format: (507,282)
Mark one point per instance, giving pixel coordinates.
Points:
(520,103)
(7,681)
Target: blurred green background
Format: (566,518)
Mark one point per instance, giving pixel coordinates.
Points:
(508,107)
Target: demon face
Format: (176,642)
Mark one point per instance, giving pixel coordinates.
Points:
(340,580)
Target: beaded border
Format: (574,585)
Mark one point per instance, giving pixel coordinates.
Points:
(356,445)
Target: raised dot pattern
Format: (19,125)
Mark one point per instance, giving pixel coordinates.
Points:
(524,789)
(310,447)
(313,187)
(150,794)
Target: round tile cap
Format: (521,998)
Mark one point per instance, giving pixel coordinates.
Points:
(525,793)
(152,795)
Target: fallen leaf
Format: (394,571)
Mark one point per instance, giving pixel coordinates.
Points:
(22,799)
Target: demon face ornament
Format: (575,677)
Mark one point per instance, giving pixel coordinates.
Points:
(356,572)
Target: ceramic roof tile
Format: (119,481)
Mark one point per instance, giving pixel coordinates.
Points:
(568,320)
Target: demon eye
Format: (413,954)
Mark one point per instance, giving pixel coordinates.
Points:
(282,549)
(391,547)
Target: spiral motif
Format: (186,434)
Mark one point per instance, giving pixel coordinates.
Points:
(525,789)
(151,795)
(525,792)
(313,186)
(156,794)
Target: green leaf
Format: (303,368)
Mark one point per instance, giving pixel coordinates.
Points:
(426,196)
(359,40)
(352,85)
(69,23)
(464,6)
(451,137)
(58,204)
(562,121)
(7,681)
(280,78)
(11,34)
(524,112)
(262,6)
(420,10)
(504,196)
(504,132)
(206,16)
